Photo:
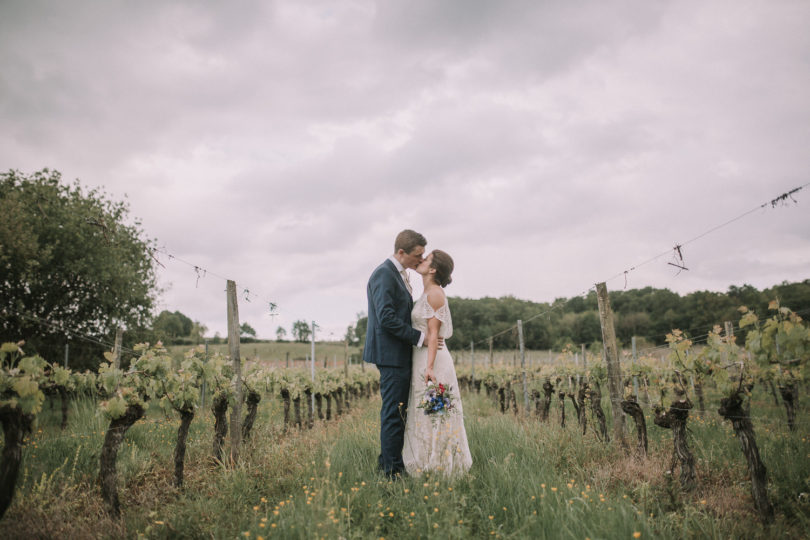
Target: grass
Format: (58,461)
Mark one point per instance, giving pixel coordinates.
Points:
(529,480)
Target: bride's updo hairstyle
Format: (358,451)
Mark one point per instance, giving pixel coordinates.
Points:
(443,264)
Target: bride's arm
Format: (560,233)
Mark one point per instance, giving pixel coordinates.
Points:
(436,300)
(432,340)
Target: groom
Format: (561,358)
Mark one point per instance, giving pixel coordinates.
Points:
(389,343)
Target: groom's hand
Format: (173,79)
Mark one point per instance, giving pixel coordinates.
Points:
(440,343)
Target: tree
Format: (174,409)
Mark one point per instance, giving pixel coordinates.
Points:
(170,326)
(587,327)
(281,334)
(176,328)
(632,324)
(301,331)
(73,263)
(198,331)
(360,328)
(350,337)
(246,330)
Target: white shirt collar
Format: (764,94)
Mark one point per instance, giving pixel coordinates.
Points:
(399,266)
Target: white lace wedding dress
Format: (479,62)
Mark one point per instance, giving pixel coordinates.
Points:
(431,444)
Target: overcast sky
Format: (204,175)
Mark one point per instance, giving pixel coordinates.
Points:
(546,145)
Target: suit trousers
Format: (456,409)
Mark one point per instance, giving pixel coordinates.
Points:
(395,385)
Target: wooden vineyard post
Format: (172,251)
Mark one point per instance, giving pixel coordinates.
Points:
(67,355)
(236,362)
(346,358)
(204,389)
(312,397)
(491,359)
(614,373)
(119,337)
(523,369)
(584,359)
(472,364)
(635,361)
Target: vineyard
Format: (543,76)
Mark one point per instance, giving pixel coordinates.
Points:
(719,446)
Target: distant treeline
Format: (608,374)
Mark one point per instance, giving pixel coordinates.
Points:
(647,313)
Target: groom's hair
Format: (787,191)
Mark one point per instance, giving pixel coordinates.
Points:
(407,240)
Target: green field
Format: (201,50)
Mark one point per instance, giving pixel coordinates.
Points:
(275,353)
(529,480)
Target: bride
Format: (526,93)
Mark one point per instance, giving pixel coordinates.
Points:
(434,444)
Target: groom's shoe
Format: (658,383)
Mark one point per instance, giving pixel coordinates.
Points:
(396,475)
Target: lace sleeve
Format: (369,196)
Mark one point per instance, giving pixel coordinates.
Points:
(424,311)
(443,313)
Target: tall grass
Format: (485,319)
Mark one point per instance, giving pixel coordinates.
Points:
(528,480)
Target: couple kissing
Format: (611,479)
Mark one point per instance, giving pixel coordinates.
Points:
(405,340)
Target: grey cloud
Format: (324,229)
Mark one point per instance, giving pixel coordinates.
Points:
(529,40)
(284,144)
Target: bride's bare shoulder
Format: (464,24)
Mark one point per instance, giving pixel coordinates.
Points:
(435,297)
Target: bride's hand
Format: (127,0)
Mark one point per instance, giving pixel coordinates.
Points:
(429,376)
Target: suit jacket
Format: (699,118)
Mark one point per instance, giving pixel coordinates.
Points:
(389,336)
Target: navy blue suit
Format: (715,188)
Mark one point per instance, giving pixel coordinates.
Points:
(389,344)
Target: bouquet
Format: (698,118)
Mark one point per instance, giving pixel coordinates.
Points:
(437,401)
